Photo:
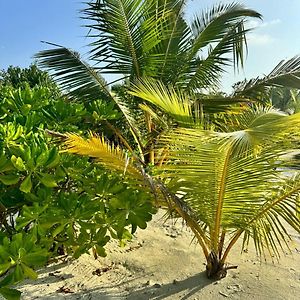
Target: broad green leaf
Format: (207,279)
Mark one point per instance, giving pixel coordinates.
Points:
(58,229)
(26,185)
(28,272)
(10,294)
(18,163)
(37,258)
(48,180)
(42,158)
(9,179)
(18,273)
(100,251)
(53,159)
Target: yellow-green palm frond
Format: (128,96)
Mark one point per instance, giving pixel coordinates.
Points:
(260,127)
(267,226)
(110,156)
(176,104)
(227,189)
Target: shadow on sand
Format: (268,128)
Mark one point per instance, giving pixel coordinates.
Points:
(183,289)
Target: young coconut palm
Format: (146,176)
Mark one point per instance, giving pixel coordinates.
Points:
(225,183)
(149,38)
(235,184)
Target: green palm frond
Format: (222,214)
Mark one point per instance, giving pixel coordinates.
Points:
(235,190)
(206,70)
(259,127)
(110,156)
(177,33)
(174,103)
(219,31)
(75,76)
(124,32)
(132,124)
(285,74)
(215,23)
(266,226)
(80,81)
(218,103)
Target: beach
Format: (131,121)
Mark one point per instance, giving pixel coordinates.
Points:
(163,262)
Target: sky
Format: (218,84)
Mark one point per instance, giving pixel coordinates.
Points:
(25,23)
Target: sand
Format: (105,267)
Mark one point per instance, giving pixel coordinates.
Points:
(162,262)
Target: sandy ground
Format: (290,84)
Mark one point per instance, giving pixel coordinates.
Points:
(162,263)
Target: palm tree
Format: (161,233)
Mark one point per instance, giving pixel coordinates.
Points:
(225,181)
(201,156)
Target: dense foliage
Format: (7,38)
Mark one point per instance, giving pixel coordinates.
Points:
(51,203)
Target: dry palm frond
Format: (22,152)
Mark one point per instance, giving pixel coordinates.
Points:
(110,156)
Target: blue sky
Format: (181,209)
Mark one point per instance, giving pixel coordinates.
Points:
(24,23)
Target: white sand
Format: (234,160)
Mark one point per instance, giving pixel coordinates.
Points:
(161,263)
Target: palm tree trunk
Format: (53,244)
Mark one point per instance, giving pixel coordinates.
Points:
(214,267)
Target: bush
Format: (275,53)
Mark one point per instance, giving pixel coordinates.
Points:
(53,203)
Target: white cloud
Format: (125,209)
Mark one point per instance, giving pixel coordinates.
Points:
(270,23)
(255,39)
(261,24)
(258,37)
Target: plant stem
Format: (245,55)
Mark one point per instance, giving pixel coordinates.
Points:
(232,242)
(218,217)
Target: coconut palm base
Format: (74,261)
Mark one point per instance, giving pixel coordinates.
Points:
(215,269)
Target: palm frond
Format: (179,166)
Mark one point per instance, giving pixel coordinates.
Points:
(214,35)
(177,30)
(206,71)
(110,156)
(174,103)
(75,77)
(267,224)
(230,189)
(285,74)
(80,81)
(124,33)
(260,127)
(214,24)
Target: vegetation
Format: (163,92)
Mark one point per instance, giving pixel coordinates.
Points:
(164,137)
(203,155)
(50,203)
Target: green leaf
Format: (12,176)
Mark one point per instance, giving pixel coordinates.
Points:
(26,185)
(58,229)
(28,272)
(10,294)
(37,258)
(100,251)
(7,280)
(53,159)
(4,267)
(9,179)
(42,158)
(18,273)
(5,164)
(48,180)
(25,109)
(18,163)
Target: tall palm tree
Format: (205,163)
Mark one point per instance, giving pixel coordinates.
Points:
(201,156)
(151,38)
